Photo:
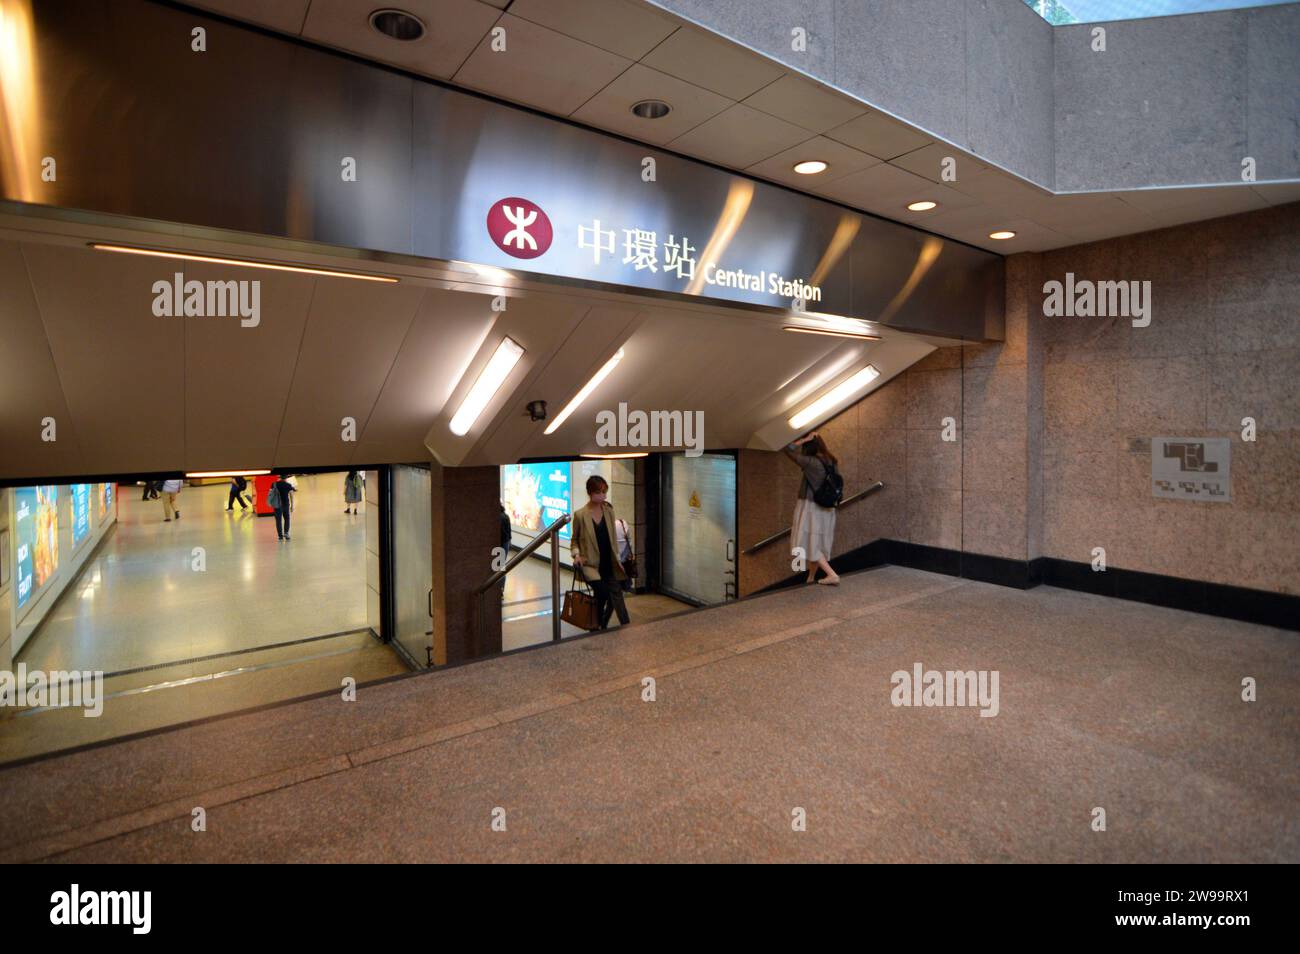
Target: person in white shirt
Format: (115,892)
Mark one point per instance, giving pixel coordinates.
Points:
(623,545)
(171,490)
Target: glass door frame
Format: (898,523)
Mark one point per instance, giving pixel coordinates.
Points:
(655,485)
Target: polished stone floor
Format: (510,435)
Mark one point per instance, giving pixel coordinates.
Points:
(263,622)
(762,707)
(139,602)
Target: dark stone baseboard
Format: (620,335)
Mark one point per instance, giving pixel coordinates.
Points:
(1213,599)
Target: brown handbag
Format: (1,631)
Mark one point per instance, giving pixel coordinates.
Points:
(580,606)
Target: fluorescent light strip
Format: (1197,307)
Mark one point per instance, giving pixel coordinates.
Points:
(834,397)
(616,456)
(834,334)
(228,473)
(246,263)
(587,388)
(489,381)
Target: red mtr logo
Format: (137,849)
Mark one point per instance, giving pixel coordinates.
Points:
(519,227)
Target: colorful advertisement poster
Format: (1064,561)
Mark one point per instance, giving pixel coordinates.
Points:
(80,513)
(36,535)
(535,495)
(105,498)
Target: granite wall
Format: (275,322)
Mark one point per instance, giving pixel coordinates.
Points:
(974,493)
(1223,344)
(1052,456)
(466,525)
(1173,100)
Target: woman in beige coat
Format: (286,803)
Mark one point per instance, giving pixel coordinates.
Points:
(593,551)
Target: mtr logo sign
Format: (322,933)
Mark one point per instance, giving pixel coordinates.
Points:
(519,227)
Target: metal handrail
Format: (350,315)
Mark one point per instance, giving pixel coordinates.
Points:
(853,498)
(551,533)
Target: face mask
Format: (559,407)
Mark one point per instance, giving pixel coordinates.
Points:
(597,498)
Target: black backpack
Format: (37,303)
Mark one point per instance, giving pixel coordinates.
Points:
(831,490)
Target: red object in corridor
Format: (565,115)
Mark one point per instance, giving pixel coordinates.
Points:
(261,484)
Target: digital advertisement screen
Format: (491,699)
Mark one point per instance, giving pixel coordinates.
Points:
(105,497)
(535,495)
(80,513)
(36,537)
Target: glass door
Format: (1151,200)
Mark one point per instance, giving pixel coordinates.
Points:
(698,527)
(412,560)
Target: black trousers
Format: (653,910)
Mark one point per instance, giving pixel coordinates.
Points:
(281,521)
(609,598)
(236,494)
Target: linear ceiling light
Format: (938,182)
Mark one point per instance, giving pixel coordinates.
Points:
(227,473)
(587,388)
(827,331)
(485,388)
(834,397)
(245,262)
(616,456)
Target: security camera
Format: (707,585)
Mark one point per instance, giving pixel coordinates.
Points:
(537,410)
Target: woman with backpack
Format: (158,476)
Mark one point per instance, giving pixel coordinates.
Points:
(352,491)
(813,528)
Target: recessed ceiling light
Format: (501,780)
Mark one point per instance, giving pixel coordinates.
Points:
(1002,234)
(397,24)
(827,331)
(651,109)
(810,167)
(923,206)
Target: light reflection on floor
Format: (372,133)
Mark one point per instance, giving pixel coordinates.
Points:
(139,603)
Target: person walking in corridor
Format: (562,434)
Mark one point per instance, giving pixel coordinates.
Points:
(813,527)
(593,551)
(623,546)
(237,487)
(353,489)
(280,499)
(171,492)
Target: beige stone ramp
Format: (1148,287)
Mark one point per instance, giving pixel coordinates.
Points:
(762,707)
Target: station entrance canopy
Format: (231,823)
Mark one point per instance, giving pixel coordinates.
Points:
(269,136)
